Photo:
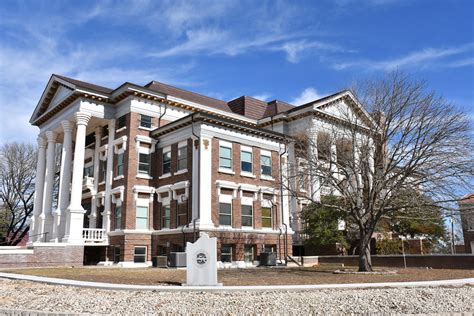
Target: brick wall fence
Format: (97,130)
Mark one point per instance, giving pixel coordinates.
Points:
(460,261)
(41,256)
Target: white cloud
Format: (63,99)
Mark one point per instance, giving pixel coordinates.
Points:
(294,49)
(306,96)
(424,57)
(262,96)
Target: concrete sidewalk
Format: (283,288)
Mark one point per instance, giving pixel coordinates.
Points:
(113,286)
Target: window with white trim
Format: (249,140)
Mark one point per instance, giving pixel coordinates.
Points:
(166,168)
(226,253)
(182,214)
(247,215)
(141,217)
(121,121)
(120,159)
(165,216)
(89,171)
(182,158)
(139,254)
(145,121)
(246,161)
(225,214)
(144,163)
(267,217)
(248,253)
(225,157)
(118,217)
(266,165)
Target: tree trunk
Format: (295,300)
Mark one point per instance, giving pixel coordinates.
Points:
(365,260)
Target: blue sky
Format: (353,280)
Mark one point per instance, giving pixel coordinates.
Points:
(293,51)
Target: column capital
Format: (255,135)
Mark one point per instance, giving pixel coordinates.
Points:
(51,136)
(67,125)
(41,141)
(82,118)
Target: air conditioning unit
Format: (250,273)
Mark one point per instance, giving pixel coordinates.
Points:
(160,262)
(178,259)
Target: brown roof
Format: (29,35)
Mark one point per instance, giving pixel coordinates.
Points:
(188,95)
(85,85)
(276,106)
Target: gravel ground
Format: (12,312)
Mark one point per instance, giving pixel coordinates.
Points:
(25,295)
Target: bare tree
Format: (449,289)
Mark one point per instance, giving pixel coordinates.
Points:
(17,180)
(402,140)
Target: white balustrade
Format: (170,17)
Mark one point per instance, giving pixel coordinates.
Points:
(92,235)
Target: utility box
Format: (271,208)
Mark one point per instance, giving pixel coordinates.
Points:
(160,262)
(178,259)
(268,259)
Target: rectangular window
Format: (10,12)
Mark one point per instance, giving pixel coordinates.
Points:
(269,248)
(141,217)
(120,164)
(246,161)
(248,253)
(166,217)
(225,157)
(166,162)
(116,254)
(145,121)
(118,217)
(225,214)
(182,214)
(226,253)
(247,215)
(105,130)
(139,255)
(144,163)
(182,158)
(122,121)
(266,164)
(267,217)
(103,170)
(89,171)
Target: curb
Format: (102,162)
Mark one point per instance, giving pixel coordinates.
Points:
(112,286)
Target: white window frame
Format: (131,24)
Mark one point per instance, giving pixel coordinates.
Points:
(248,150)
(181,146)
(229,146)
(226,199)
(247,201)
(266,153)
(165,151)
(143,203)
(146,254)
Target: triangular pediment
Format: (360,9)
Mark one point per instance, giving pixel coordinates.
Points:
(61,93)
(347,108)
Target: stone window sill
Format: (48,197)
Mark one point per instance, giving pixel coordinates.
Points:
(145,128)
(268,178)
(144,176)
(166,175)
(181,171)
(121,129)
(228,171)
(119,177)
(247,174)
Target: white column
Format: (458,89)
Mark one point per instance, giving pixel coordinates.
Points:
(109,177)
(46,214)
(314,185)
(93,215)
(39,189)
(75,209)
(292,174)
(60,215)
(195,181)
(205,185)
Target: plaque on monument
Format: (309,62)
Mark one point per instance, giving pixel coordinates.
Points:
(201,261)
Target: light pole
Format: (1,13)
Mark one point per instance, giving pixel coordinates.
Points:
(403,251)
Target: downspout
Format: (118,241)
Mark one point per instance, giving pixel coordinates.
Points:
(197,138)
(161,115)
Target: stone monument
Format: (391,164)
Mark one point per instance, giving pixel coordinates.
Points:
(201,261)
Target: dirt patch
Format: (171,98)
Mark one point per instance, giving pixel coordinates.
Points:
(256,276)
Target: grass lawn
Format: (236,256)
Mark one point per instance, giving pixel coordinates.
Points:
(256,276)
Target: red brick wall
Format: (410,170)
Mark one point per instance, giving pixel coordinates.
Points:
(45,256)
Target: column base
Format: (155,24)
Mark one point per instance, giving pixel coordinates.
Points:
(76,222)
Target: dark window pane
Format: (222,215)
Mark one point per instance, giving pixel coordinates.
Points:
(145,121)
(121,121)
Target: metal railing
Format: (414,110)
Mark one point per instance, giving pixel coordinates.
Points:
(94,235)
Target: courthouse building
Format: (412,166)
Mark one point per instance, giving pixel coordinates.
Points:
(143,169)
